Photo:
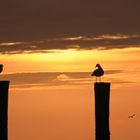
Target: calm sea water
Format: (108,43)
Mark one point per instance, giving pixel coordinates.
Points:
(65,111)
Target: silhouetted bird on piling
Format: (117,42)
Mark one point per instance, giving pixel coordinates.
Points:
(98,72)
(1,68)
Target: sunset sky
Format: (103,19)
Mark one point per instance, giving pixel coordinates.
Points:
(65,35)
(52,46)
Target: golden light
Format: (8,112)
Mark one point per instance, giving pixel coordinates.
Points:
(69,60)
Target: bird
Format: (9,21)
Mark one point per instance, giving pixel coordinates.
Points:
(98,72)
(131,116)
(1,68)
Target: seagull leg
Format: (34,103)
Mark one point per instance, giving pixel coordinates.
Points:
(99,79)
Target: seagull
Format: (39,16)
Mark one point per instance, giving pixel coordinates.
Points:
(1,68)
(98,72)
(132,116)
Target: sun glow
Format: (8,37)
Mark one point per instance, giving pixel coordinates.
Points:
(69,60)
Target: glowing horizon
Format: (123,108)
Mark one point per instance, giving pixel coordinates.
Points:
(69,60)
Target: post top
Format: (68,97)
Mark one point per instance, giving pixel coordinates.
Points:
(4,82)
(102,83)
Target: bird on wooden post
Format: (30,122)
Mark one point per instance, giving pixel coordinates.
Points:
(98,72)
(1,68)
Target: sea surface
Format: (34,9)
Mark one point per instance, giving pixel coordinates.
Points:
(60,105)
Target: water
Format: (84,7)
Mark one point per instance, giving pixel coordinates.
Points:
(66,111)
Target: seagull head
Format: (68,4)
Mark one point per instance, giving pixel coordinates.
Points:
(97,65)
(1,65)
(1,68)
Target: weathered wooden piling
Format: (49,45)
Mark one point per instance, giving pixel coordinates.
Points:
(102,97)
(4,86)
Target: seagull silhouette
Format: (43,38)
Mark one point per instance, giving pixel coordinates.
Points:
(1,68)
(132,116)
(98,72)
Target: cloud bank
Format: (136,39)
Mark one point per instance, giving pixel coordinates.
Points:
(105,41)
(41,25)
(50,79)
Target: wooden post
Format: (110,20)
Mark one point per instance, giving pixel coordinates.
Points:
(4,85)
(102,96)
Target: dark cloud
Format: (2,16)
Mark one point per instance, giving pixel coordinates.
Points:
(37,20)
(79,43)
(34,19)
(27,80)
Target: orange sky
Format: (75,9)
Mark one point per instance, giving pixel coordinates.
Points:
(72,60)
